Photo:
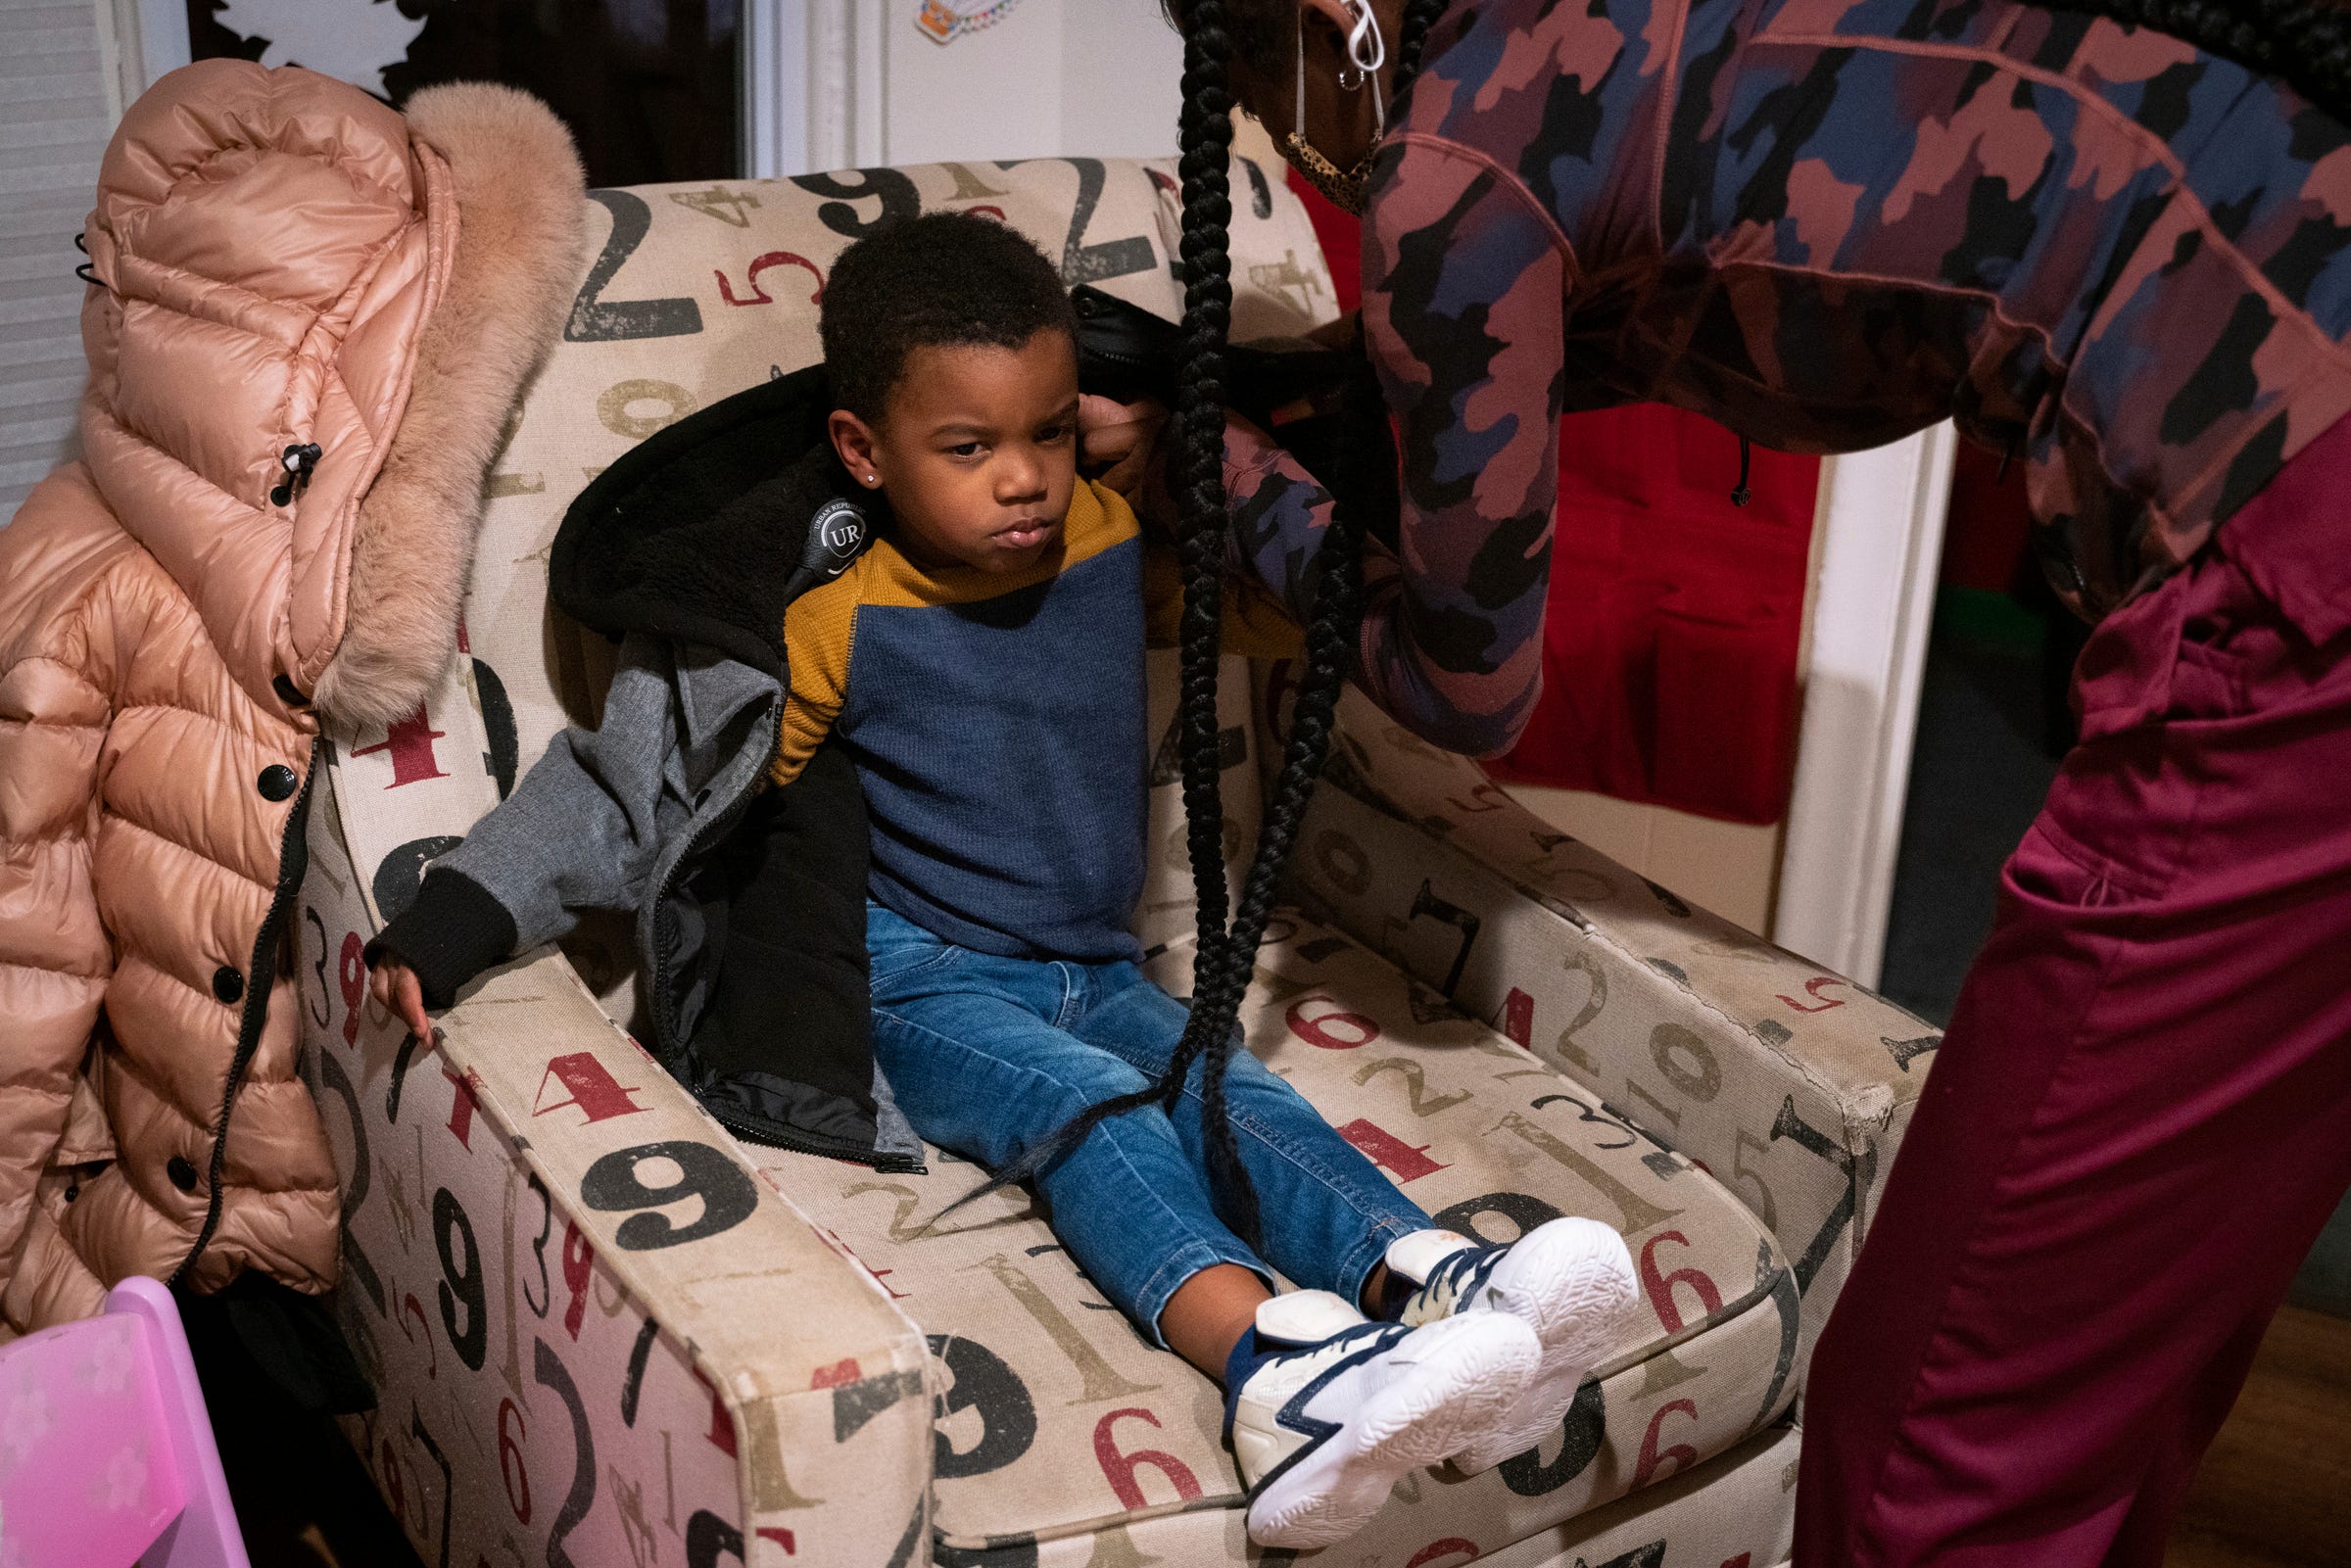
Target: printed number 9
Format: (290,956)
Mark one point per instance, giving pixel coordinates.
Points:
(613,1183)
(464,1284)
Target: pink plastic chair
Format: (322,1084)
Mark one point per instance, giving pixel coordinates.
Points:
(106,1452)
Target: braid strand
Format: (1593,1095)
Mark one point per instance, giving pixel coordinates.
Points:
(1225,960)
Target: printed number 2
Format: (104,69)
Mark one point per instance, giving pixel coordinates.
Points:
(552,1374)
(1082,262)
(335,1082)
(594,319)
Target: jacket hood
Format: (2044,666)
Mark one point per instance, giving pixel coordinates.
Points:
(706,530)
(283,262)
(521,205)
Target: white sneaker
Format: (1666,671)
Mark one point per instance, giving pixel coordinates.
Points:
(1336,1409)
(1571,1282)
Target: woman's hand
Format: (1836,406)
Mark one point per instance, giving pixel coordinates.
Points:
(394,986)
(1122,435)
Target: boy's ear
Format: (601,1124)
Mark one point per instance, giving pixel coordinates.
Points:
(854,442)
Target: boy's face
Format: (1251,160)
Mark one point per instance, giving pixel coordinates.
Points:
(976,451)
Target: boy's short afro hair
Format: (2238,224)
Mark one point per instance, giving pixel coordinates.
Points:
(933,281)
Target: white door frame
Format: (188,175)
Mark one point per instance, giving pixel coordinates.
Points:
(154,36)
(813,86)
(1881,519)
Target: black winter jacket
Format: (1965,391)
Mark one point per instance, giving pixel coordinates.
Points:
(749,900)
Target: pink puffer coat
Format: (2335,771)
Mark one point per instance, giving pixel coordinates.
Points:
(283,263)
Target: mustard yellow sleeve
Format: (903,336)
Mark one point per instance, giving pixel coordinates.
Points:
(818,629)
(1255,624)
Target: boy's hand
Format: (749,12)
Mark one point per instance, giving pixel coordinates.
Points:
(395,987)
(1123,435)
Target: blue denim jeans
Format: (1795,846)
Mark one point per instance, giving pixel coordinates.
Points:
(987,1055)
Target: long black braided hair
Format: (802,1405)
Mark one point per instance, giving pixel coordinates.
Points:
(1225,958)
(2306,43)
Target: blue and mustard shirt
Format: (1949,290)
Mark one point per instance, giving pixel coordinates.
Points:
(997,721)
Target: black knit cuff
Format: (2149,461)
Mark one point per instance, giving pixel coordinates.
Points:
(452,932)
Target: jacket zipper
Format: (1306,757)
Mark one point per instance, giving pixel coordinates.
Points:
(663,1023)
(797,1143)
(888,1165)
(293,863)
(1136,362)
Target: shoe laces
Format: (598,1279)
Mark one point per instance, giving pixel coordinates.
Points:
(1455,1281)
(1386,1332)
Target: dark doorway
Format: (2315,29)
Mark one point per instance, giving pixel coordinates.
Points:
(650,88)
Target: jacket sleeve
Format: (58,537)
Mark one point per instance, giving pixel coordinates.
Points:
(578,833)
(1463,316)
(54,956)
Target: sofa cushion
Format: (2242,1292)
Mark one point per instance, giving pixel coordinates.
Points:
(1792,1083)
(1056,1417)
(1735,1511)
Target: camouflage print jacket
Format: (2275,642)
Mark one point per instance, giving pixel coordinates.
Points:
(1826,224)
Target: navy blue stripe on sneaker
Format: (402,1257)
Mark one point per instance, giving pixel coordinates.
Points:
(1378,1339)
(1467,1270)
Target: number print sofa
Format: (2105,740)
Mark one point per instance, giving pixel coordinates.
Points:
(604,1333)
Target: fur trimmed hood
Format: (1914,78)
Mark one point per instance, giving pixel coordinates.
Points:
(517,183)
(292,273)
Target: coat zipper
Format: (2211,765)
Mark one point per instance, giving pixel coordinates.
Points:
(663,1023)
(1133,361)
(293,864)
(888,1164)
(796,1143)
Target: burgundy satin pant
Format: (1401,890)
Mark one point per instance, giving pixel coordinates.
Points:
(2140,1116)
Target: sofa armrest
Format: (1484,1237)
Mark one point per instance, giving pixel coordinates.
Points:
(1790,1084)
(588,1320)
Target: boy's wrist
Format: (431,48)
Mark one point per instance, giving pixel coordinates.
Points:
(452,931)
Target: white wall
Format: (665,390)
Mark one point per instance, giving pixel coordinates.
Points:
(1055,76)
(60,92)
(840,82)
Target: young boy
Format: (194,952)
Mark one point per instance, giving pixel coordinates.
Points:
(982,665)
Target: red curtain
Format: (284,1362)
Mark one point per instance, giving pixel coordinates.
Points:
(1985,542)
(1670,641)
